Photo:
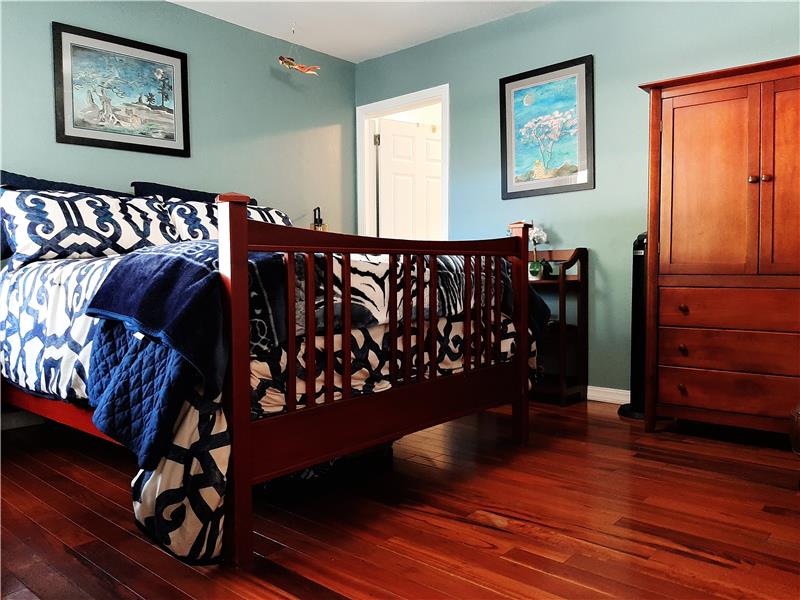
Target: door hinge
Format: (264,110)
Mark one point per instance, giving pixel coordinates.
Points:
(661,125)
(376,139)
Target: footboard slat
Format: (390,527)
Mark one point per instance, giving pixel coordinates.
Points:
(487,305)
(467,314)
(329,279)
(498,297)
(291,332)
(311,327)
(420,317)
(347,313)
(393,319)
(433,316)
(477,311)
(406,318)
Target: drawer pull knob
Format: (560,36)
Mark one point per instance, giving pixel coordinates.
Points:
(752,179)
(683,349)
(682,389)
(684,308)
(766,178)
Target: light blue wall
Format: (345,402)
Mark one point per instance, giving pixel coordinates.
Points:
(632,43)
(285,139)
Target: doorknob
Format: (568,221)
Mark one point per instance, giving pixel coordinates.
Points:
(766,178)
(752,179)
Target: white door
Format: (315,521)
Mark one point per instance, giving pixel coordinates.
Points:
(409,180)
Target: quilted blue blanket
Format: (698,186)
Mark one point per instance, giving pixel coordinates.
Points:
(161,340)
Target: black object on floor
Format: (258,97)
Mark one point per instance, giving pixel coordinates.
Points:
(635,409)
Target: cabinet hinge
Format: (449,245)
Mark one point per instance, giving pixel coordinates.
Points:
(661,125)
(376,139)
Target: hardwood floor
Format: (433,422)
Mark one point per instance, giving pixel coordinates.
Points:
(591,508)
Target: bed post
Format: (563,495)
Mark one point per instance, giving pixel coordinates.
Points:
(238,534)
(519,277)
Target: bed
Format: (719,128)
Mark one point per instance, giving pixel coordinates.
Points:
(378,371)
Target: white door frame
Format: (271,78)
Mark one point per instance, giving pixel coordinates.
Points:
(382,108)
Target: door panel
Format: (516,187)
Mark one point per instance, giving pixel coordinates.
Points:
(410,174)
(709,210)
(780,182)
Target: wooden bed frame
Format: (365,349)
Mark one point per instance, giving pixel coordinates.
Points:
(301,437)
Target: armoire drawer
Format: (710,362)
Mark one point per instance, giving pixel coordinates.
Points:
(746,393)
(751,351)
(730,308)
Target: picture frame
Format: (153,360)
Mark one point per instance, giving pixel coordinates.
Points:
(113,92)
(547,130)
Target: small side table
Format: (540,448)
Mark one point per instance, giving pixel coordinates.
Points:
(564,355)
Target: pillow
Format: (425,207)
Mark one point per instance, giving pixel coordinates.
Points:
(198,220)
(43,225)
(147,188)
(14,181)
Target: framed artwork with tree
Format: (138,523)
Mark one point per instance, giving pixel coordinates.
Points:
(118,93)
(547,130)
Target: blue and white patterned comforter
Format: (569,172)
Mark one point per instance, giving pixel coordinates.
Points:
(45,335)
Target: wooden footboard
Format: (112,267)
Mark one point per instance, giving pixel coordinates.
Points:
(303,436)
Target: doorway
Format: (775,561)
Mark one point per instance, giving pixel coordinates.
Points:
(403,156)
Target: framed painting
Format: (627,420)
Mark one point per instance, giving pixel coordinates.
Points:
(547,130)
(117,93)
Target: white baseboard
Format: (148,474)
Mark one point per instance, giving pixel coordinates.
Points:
(610,395)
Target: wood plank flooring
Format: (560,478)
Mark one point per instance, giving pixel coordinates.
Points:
(591,508)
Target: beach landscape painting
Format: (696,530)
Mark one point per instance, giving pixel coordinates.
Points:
(119,93)
(547,130)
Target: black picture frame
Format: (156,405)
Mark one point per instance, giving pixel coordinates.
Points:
(181,147)
(586,63)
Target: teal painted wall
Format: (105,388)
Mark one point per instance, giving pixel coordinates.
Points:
(285,139)
(632,43)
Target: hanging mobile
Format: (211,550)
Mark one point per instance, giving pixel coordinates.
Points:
(291,64)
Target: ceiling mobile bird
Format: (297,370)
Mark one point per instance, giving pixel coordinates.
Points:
(292,65)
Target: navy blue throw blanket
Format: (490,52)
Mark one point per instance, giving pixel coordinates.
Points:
(163,338)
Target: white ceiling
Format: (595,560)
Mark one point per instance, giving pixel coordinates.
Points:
(358,31)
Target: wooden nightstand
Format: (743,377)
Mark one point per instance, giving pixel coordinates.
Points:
(564,356)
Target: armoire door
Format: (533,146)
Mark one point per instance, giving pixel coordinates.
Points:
(780,177)
(710,182)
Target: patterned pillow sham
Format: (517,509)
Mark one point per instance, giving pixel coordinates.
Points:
(43,225)
(198,220)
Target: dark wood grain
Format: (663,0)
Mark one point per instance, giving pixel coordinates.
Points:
(652,259)
(762,395)
(723,304)
(564,352)
(780,177)
(739,75)
(233,269)
(720,126)
(734,308)
(749,351)
(462,513)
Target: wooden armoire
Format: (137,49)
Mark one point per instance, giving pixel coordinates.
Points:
(723,287)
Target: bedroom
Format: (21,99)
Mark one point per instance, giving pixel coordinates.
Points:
(453,478)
